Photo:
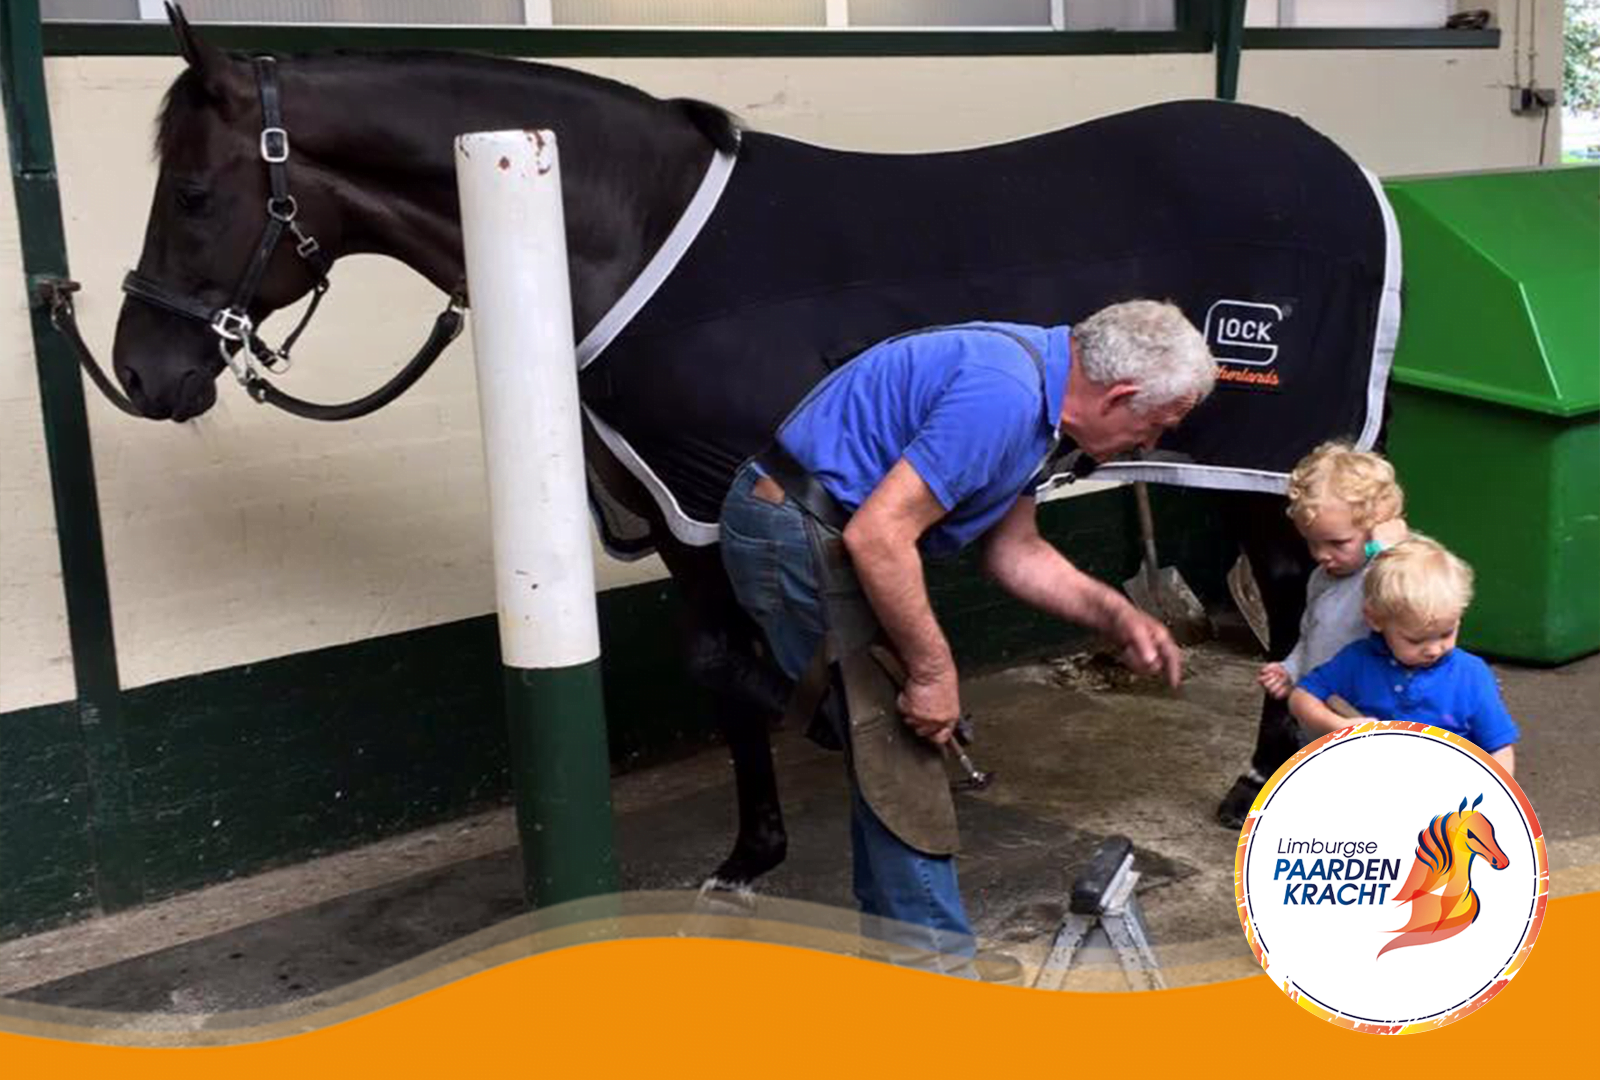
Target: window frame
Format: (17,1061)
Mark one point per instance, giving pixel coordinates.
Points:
(1196,33)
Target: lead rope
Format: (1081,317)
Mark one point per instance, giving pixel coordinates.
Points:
(55,294)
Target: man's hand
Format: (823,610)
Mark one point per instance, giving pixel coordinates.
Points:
(932,706)
(1274,679)
(1147,647)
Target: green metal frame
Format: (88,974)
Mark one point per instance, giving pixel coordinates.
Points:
(119,877)
(1199,25)
(1289,38)
(1229,34)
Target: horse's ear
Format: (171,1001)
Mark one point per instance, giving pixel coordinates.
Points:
(210,63)
(1476,801)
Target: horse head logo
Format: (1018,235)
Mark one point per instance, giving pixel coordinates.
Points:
(1439,887)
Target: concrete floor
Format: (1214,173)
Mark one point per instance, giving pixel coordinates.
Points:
(1080,750)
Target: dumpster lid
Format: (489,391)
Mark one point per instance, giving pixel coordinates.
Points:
(1503,286)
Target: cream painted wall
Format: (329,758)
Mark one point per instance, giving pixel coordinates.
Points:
(35,655)
(247,534)
(1414,111)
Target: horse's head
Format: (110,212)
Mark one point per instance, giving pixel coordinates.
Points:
(206,223)
(1478,833)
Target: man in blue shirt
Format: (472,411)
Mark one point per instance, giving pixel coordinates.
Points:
(920,446)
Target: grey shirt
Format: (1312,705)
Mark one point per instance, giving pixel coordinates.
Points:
(1332,620)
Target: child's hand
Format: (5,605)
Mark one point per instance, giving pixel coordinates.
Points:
(1391,532)
(1274,679)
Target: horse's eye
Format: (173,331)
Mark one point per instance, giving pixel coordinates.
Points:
(1473,836)
(193,200)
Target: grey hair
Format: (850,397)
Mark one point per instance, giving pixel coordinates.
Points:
(1149,343)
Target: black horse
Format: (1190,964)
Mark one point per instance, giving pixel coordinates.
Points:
(372,175)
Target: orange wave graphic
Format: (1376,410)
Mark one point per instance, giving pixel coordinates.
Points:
(667,1008)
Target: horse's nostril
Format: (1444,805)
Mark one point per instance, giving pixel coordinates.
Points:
(130,379)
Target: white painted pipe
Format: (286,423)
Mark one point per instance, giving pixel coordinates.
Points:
(516,255)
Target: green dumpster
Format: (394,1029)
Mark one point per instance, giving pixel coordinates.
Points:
(1495,429)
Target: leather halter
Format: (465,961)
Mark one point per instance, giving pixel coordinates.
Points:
(235,331)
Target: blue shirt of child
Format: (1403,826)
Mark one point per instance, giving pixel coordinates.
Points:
(1458,693)
(964,405)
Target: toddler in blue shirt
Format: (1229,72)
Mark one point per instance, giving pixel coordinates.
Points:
(1409,668)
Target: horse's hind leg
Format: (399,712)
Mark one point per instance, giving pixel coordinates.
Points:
(1281,564)
(748,692)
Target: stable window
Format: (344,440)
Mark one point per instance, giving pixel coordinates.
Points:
(1041,15)
(1368,24)
(1349,14)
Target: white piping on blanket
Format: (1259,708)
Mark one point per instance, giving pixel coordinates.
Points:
(1388,318)
(664,261)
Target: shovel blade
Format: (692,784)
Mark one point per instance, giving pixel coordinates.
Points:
(1172,601)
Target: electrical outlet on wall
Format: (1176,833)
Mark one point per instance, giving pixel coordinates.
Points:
(1532,99)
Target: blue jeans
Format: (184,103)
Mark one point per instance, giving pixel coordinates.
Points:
(909,900)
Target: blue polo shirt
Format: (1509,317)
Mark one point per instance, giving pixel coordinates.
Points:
(965,406)
(1458,693)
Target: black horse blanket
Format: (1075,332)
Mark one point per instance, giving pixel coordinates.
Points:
(1265,233)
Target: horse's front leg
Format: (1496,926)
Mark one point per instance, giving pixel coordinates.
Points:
(748,693)
(1281,564)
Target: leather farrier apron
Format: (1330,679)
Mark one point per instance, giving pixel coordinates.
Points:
(900,774)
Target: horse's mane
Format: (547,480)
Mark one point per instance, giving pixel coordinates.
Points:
(188,94)
(1433,846)
(185,96)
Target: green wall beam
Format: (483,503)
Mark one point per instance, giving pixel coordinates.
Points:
(118,861)
(1229,16)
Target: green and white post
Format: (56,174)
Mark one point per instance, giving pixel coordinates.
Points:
(516,259)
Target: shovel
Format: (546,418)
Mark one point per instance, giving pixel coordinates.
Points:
(1160,591)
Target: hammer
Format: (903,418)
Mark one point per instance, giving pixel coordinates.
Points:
(976,779)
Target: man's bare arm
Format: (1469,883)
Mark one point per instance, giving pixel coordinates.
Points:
(882,541)
(1030,568)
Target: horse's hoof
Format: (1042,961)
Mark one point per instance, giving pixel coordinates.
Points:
(744,865)
(718,897)
(1235,805)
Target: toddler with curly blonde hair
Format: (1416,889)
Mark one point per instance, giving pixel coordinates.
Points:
(1347,505)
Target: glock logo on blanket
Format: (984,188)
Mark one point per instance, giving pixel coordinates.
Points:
(1243,336)
(1391,878)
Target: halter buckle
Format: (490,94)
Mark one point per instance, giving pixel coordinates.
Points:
(274,145)
(305,245)
(238,361)
(283,209)
(230,324)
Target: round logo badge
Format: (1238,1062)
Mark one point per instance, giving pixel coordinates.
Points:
(1391,878)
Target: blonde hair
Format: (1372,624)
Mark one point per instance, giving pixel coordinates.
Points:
(1337,472)
(1417,579)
